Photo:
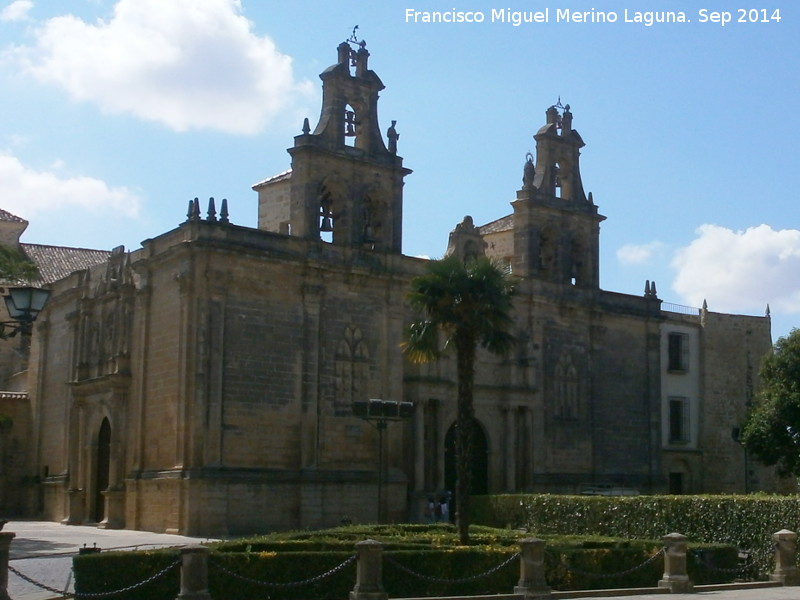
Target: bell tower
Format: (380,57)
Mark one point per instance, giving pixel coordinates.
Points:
(345,185)
(556,226)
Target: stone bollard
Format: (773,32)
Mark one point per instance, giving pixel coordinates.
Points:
(369,572)
(194,573)
(675,577)
(785,558)
(5,549)
(532,581)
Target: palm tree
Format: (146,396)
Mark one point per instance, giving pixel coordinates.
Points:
(468,303)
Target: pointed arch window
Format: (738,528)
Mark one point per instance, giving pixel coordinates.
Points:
(567,389)
(352,368)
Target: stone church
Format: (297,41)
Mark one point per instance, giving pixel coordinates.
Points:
(204,383)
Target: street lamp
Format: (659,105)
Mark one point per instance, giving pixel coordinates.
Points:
(381,412)
(23,305)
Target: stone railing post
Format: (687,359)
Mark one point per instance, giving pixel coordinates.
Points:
(194,573)
(369,572)
(532,580)
(675,576)
(5,549)
(785,558)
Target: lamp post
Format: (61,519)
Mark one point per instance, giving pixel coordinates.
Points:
(736,436)
(381,412)
(23,305)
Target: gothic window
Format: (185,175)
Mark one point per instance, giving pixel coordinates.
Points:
(352,368)
(678,352)
(566,389)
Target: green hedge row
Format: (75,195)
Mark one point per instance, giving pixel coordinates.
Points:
(425,561)
(747,522)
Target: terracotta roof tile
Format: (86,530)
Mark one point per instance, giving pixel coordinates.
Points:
(7,216)
(56,262)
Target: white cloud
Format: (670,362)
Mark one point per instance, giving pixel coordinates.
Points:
(16,11)
(638,254)
(26,192)
(740,271)
(183,63)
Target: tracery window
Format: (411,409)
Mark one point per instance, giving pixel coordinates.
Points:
(567,389)
(352,368)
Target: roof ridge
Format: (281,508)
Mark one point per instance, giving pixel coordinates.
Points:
(64,247)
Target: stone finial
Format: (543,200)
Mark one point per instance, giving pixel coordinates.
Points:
(653,289)
(212,210)
(767,313)
(647,288)
(193,214)
(223,213)
(306,126)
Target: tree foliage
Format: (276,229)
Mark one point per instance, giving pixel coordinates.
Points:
(463,305)
(772,432)
(14,267)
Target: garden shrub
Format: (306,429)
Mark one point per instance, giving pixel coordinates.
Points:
(746,522)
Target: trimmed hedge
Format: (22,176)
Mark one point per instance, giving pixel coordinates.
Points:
(419,560)
(747,522)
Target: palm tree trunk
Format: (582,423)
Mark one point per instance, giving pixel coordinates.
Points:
(465,417)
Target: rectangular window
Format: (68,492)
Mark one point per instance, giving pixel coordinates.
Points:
(678,352)
(678,420)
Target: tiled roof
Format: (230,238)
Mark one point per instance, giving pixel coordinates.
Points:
(7,216)
(503,224)
(56,262)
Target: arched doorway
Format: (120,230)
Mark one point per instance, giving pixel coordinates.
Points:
(103,468)
(480,462)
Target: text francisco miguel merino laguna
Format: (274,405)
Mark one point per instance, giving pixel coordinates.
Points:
(566,15)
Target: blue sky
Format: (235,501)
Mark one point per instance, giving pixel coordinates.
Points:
(115,113)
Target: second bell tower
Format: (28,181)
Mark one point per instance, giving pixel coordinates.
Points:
(345,185)
(556,226)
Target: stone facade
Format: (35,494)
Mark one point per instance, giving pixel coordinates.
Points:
(203,384)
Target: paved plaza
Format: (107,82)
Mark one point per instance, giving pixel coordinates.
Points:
(43,551)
